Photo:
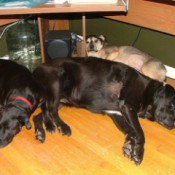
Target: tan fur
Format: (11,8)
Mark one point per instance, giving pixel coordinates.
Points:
(129,55)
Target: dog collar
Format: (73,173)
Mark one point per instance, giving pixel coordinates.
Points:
(27,102)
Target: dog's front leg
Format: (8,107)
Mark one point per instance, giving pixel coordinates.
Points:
(50,110)
(39,130)
(134,142)
(47,116)
(125,127)
(63,128)
(134,137)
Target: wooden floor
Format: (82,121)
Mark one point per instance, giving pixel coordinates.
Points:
(94,148)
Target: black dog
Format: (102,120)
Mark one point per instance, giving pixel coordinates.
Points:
(19,97)
(103,86)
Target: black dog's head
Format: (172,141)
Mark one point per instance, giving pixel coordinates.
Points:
(11,121)
(164,106)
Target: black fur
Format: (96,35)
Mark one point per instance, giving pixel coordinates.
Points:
(99,86)
(15,81)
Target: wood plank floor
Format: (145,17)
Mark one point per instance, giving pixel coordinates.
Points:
(94,148)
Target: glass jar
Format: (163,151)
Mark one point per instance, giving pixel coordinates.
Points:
(21,41)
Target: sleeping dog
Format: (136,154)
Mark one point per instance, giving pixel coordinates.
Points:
(104,87)
(144,63)
(19,97)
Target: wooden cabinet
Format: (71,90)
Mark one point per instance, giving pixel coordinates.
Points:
(154,14)
(44,11)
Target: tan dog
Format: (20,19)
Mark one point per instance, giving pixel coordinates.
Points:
(144,63)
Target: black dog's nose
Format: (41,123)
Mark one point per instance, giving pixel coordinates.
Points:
(28,125)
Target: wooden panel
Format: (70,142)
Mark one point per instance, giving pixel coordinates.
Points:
(65,8)
(150,14)
(7,21)
(43,26)
(56,24)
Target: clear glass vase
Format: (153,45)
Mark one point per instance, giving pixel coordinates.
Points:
(21,41)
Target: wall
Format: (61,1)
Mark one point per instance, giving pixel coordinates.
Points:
(3,47)
(159,45)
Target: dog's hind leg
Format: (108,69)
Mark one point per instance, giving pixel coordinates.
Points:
(154,70)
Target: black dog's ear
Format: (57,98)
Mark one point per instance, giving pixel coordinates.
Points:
(160,92)
(167,90)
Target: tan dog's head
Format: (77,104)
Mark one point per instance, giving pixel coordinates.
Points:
(95,43)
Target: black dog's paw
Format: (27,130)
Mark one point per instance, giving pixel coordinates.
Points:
(128,148)
(50,127)
(64,129)
(40,135)
(138,152)
(133,151)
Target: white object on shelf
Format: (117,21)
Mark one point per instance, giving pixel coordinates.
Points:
(56,1)
(93,1)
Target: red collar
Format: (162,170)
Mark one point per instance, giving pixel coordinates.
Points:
(22,99)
